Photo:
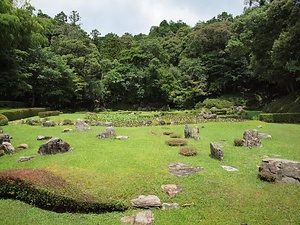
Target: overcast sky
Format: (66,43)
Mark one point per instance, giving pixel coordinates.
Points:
(137,16)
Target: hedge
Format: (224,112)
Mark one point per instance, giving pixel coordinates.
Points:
(16,114)
(48,113)
(280,117)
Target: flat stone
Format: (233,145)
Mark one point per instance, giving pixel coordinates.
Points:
(23,146)
(146,201)
(25,158)
(41,137)
(170,206)
(183,170)
(229,168)
(122,137)
(171,189)
(142,218)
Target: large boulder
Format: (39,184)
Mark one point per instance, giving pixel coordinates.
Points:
(216,152)
(48,123)
(187,131)
(251,139)
(282,170)
(108,132)
(81,125)
(4,138)
(7,147)
(54,146)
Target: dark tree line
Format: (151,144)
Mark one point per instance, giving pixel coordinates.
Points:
(52,62)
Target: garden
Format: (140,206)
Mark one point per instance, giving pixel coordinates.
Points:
(109,173)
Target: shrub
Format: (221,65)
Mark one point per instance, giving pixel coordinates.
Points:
(280,117)
(167,132)
(48,113)
(188,151)
(2,152)
(175,135)
(67,122)
(218,103)
(48,191)
(238,142)
(176,142)
(16,114)
(3,120)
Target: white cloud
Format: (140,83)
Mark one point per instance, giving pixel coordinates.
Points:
(137,16)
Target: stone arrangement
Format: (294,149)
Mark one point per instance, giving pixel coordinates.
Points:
(54,146)
(216,152)
(251,139)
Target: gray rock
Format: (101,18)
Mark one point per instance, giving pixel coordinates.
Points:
(142,218)
(251,139)
(42,137)
(7,147)
(25,158)
(4,138)
(264,136)
(122,137)
(282,170)
(107,133)
(81,125)
(48,123)
(170,206)
(171,189)
(229,168)
(183,170)
(54,146)
(146,201)
(187,131)
(216,152)
(23,146)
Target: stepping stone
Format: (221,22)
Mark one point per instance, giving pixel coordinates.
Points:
(229,168)
(183,170)
(169,206)
(146,201)
(25,158)
(171,189)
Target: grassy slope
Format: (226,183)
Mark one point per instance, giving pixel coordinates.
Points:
(122,170)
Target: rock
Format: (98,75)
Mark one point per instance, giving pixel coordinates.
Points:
(122,137)
(41,137)
(183,170)
(4,138)
(216,152)
(146,201)
(48,123)
(23,146)
(25,158)
(67,130)
(229,168)
(251,139)
(171,189)
(187,131)
(205,115)
(142,218)
(107,133)
(264,136)
(238,110)
(108,124)
(282,170)
(54,146)
(169,206)
(81,125)
(7,147)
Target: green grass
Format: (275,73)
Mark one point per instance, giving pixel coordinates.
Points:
(121,170)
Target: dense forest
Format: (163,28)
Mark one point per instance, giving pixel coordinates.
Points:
(53,62)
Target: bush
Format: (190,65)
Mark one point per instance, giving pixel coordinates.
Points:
(176,142)
(3,120)
(48,113)
(238,142)
(218,103)
(188,151)
(48,191)
(266,177)
(175,135)
(16,114)
(67,122)
(280,117)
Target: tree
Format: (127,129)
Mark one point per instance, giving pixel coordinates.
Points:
(74,17)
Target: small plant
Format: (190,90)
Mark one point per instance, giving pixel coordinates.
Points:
(67,122)
(3,120)
(175,135)
(188,151)
(266,177)
(167,133)
(238,142)
(176,142)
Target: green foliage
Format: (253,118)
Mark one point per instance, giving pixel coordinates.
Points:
(47,191)
(280,117)
(12,104)
(3,120)
(176,142)
(188,151)
(285,104)
(48,113)
(218,103)
(16,114)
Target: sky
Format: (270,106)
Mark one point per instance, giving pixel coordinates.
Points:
(137,16)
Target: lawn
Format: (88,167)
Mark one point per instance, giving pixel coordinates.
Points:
(121,170)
